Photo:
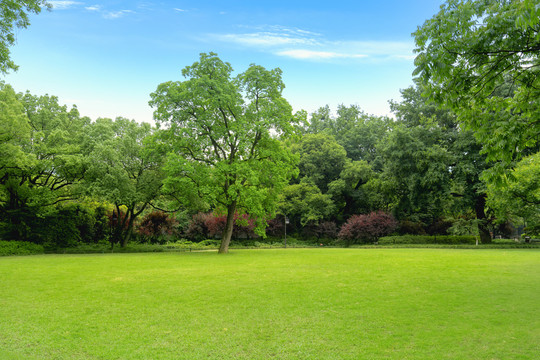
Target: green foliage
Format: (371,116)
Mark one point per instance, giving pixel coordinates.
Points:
(321,159)
(520,197)
(122,170)
(416,171)
(223,135)
(482,59)
(19,248)
(15,15)
(42,159)
(305,203)
(425,239)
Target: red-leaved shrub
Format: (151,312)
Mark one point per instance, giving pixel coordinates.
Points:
(367,228)
(243,226)
(197,229)
(155,226)
(205,226)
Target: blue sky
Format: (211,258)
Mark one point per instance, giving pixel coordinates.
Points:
(107,57)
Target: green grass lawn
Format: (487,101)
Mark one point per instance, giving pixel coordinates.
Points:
(283,304)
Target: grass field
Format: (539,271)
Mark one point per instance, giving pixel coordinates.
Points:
(283,304)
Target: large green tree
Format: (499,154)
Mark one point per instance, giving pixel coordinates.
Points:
(482,58)
(15,15)
(224,134)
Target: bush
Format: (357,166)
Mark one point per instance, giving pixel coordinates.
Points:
(243,227)
(411,227)
(204,226)
(210,243)
(156,227)
(197,229)
(367,228)
(19,248)
(426,239)
(276,227)
(327,230)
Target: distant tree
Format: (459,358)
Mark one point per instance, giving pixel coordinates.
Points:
(224,135)
(42,158)
(305,203)
(123,171)
(15,14)
(321,159)
(465,163)
(416,175)
(352,128)
(349,192)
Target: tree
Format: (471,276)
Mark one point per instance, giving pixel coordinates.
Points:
(14,14)
(353,129)
(321,159)
(481,57)
(466,164)
(520,198)
(349,191)
(416,174)
(123,171)
(224,134)
(42,157)
(304,203)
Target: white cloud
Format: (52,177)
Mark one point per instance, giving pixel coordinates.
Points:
(272,36)
(117,14)
(266,39)
(61,5)
(307,45)
(93,8)
(179,10)
(317,55)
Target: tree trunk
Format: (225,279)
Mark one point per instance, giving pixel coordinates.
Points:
(129,230)
(483,230)
(227,234)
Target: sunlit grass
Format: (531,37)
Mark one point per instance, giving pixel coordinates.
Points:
(283,304)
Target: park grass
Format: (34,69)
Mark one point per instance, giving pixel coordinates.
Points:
(279,303)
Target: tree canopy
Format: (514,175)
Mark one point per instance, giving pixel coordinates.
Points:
(222,134)
(13,15)
(481,57)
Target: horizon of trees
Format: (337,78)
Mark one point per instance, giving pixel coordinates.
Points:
(460,157)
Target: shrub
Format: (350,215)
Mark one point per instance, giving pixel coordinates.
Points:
(210,243)
(197,229)
(327,230)
(205,226)
(367,228)
(156,226)
(426,239)
(411,227)
(243,228)
(19,248)
(275,227)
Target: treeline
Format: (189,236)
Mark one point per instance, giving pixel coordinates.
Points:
(65,179)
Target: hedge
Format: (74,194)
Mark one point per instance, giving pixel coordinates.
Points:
(19,248)
(426,239)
